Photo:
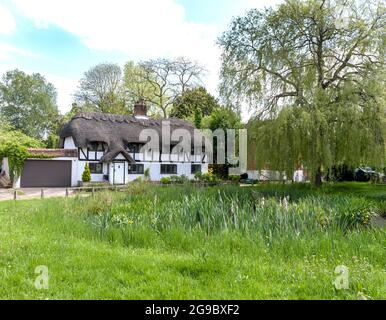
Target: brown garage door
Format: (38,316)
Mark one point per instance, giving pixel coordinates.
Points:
(46,173)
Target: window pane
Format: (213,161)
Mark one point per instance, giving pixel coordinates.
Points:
(131,147)
(96,167)
(135,168)
(168,169)
(93,146)
(134,147)
(96,146)
(195,168)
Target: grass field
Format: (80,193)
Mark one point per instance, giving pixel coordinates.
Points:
(182,242)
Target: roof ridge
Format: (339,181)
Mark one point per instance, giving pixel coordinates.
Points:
(101,116)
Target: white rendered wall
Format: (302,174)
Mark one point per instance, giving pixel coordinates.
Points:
(69,143)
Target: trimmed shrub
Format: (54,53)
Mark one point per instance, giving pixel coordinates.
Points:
(86,176)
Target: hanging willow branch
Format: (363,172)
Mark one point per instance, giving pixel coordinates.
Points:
(317,87)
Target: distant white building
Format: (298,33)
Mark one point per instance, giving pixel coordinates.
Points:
(255,173)
(271,175)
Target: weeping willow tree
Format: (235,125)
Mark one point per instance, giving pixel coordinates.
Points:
(313,71)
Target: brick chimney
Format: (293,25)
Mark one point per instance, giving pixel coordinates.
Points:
(140,109)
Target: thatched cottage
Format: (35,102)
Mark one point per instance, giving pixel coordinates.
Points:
(114,148)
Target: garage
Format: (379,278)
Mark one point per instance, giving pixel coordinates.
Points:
(46,173)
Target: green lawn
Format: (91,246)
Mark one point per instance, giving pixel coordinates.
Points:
(184,242)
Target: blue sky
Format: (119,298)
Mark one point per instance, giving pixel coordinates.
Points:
(63,38)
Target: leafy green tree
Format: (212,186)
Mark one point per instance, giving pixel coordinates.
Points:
(52,141)
(28,103)
(197,119)
(101,89)
(314,72)
(222,118)
(9,134)
(86,175)
(192,101)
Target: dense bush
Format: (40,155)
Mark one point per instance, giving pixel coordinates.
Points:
(165,180)
(175,179)
(179,179)
(234,178)
(198,176)
(209,177)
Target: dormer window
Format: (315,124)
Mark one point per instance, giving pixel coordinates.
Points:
(96,146)
(95,150)
(134,147)
(93,146)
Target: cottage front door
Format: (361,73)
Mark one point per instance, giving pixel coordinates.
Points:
(119,173)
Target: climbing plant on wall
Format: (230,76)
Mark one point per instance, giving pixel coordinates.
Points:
(16,155)
(14,146)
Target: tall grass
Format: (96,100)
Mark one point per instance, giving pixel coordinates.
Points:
(267,212)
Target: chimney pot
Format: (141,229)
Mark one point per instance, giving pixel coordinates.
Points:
(140,109)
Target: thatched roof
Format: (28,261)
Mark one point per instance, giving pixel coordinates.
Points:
(116,131)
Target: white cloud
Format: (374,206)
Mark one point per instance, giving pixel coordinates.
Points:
(144,27)
(8,51)
(7,22)
(141,29)
(65,88)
